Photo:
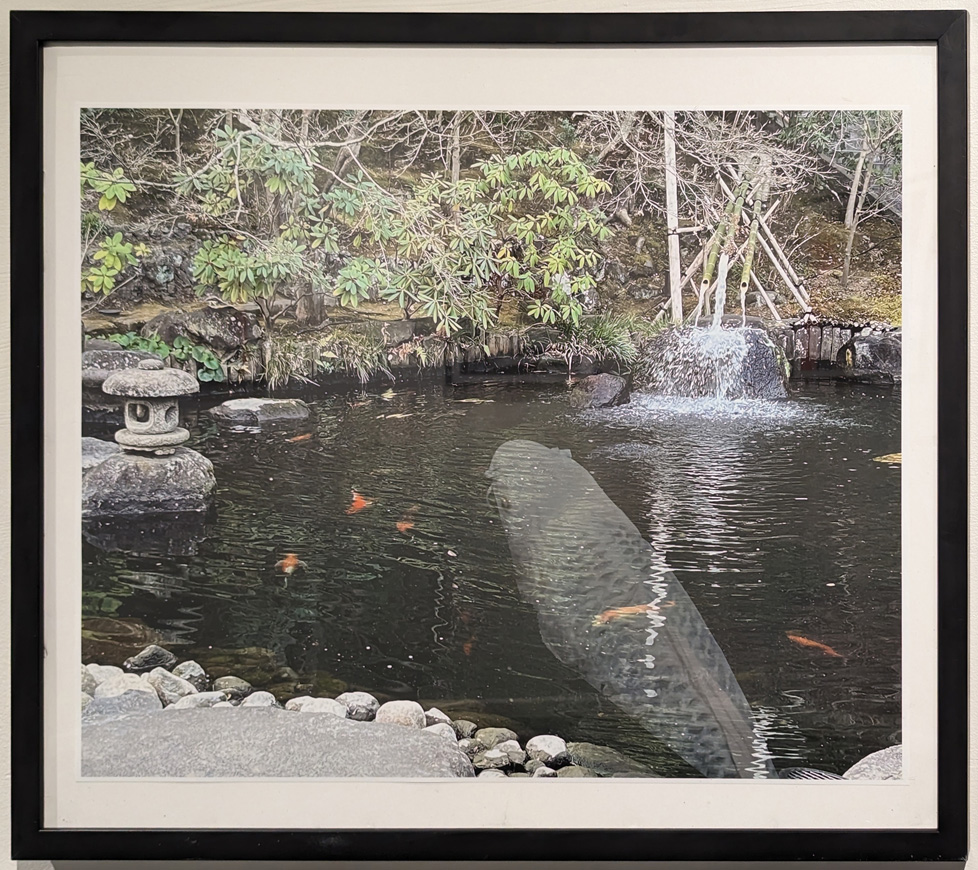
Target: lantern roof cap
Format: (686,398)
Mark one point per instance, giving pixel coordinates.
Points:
(150,380)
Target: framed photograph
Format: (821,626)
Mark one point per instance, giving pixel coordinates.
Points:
(407,401)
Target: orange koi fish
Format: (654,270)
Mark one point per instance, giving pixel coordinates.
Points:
(634,610)
(468,645)
(813,644)
(359,503)
(290,564)
(304,437)
(406,522)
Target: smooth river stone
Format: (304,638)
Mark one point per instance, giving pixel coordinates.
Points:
(249,742)
(407,713)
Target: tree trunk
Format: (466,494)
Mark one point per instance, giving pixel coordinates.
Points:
(672,217)
(856,218)
(854,186)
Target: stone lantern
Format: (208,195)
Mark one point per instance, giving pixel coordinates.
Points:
(152,408)
(154,474)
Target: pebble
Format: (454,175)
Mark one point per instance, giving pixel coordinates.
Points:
(361,706)
(201,699)
(86,699)
(573,771)
(489,737)
(193,673)
(260,699)
(443,729)
(102,672)
(548,748)
(223,704)
(504,754)
(407,713)
(543,772)
(434,716)
(169,687)
(151,657)
(464,728)
(491,774)
(120,683)
(470,747)
(236,688)
(305,704)
(88,682)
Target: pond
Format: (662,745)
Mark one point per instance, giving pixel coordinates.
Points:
(775,518)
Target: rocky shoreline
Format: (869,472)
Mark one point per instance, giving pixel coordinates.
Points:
(157,717)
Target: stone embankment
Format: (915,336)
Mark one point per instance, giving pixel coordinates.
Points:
(155,717)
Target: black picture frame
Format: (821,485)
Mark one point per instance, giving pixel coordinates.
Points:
(31,31)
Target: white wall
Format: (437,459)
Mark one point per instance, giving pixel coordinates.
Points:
(378,5)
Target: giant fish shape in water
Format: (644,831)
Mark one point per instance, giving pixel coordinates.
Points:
(609,608)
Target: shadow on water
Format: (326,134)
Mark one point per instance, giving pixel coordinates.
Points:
(772,525)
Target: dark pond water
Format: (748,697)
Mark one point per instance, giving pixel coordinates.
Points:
(775,518)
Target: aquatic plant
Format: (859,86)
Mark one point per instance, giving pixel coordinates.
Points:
(292,358)
(614,337)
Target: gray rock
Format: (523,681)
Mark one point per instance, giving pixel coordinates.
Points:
(464,728)
(516,774)
(885,764)
(407,713)
(491,773)
(434,716)
(489,737)
(306,704)
(260,699)
(506,753)
(97,365)
(543,771)
(258,411)
(248,742)
(875,358)
(221,329)
(573,771)
(470,747)
(102,672)
(223,704)
(88,682)
(133,701)
(605,761)
(86,699)
(442,729)
(698,362)
(599,391)
(235,688)
(548,748)
(123,683)
(193,673)
(201,699)
(100,344)
(361,706)
(133,485)
(150,658)
(95,451)
(169,687)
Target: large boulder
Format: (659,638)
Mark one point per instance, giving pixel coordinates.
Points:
(727,363)
(599,391)
(874,358)
(95,451)
(262,742)
(223,330)
(257,411)
(884,764)
(97,365)
(131,485)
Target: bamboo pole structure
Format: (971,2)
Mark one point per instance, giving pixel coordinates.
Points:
(775,261)
(672,216)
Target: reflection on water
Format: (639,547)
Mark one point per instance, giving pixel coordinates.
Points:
(774,519)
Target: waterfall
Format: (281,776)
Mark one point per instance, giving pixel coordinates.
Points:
(720,298)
